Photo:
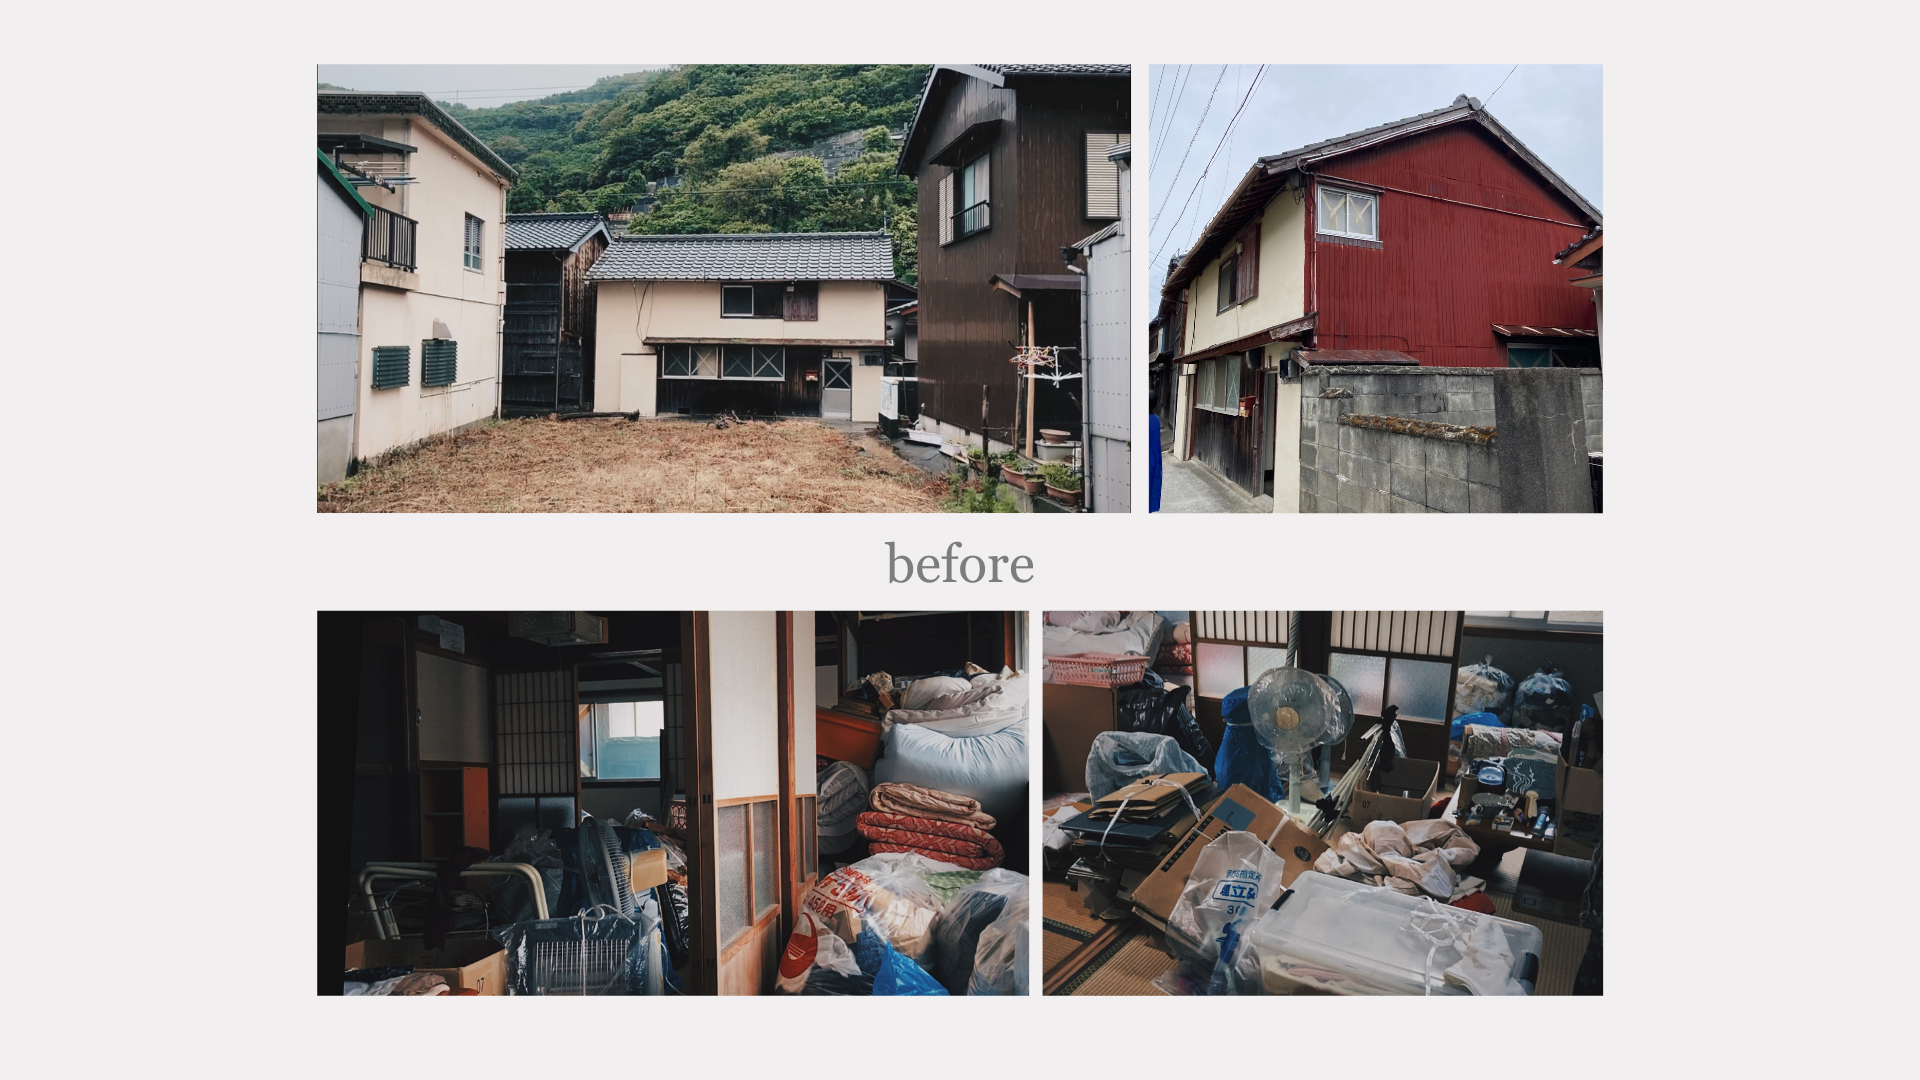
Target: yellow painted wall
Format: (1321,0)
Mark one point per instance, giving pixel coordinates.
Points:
(625,369)
(451,185)
(1283,267)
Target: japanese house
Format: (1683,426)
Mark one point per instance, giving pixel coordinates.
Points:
(691,732)
(1423,242)
(1583,255)
(431,289)
(547,340)
(788,324)
(1013,170)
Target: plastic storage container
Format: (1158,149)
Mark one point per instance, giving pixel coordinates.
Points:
(1107,670)
(1345,937)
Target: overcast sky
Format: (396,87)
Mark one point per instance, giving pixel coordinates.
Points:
(478,85)
(1553,109)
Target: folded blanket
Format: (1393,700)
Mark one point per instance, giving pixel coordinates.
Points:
(913,800)
(946,841)
(1175,654)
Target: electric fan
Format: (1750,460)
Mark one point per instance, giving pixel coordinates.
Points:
(603,868)
(1293,711)
(1343,723)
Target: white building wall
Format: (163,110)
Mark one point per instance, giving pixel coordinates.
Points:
(745,690)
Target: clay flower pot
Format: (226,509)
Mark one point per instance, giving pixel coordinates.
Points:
(1071,498)
(1053,435)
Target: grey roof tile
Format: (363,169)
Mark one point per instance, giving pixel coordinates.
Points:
(847,256)
(550,232)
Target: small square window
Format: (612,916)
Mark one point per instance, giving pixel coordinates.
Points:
(678,361)
(471,257)
(1349,213)
(736,301)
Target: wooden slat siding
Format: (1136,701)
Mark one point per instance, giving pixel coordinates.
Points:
(1444,274)
(1102,177)
(946,205)
(965,326)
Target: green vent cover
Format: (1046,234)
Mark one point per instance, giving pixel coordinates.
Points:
(392,366)
(439,362)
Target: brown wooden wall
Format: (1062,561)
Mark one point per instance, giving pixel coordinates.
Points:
(1037,161)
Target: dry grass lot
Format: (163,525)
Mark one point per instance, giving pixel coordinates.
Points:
(658,466)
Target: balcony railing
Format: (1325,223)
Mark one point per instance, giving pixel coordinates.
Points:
(390,239)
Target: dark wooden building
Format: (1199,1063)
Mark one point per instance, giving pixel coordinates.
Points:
(1013,168)
(547,339)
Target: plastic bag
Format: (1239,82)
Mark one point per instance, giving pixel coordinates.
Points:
(1243,758)
(1234,881)
(957,930)
(511,895)
(843,789)
(1481,688)
(597,952)
(1150,706)
(1000,960)
(1544,701)
(1118,758)
(1481,719)
(858,911)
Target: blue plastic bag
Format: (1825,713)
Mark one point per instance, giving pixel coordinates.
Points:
(1484,719)
(1243,758)
(901,977)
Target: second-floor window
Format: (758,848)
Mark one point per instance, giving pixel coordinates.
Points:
(796,302)
(1349,213)
(471,257)
(1103,176)
(964,198)
(1240,268)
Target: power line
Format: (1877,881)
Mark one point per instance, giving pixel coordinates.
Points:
(1503,82)
(1196,135)
(1166,126)
(1251,87)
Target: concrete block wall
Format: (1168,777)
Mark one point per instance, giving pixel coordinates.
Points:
(1361,470)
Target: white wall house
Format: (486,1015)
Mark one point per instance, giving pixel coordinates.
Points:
(757,323)
(431,280)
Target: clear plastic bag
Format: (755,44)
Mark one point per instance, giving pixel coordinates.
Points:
(598,952)
(1000,960)
(1481,688)
(853,916)
(1544,701)
(957,931)
(1233,882)
(511,896)
(1118,758)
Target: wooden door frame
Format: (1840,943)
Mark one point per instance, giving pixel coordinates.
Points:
(789,868)
(696,703)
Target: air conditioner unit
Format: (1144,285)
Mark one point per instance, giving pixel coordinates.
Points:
(558,627)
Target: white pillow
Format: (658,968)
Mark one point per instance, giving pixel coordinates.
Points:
(919,693)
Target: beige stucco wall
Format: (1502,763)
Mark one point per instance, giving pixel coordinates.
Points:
(1286,447)
(1282,294)
(629,312)
(450,185)
(1183,411)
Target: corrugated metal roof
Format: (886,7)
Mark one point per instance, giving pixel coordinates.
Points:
(551,232)
(1097,237)
(1577,244)
(1516,330)
(849,256)
(340,182)
(409,103)
(1059,69)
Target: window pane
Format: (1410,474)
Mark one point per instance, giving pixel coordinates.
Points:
(1362,214)
(706,361)
(1419,687)
(679,359)
(1329,210)
(629,740)
(769,363)
(736,300)
(766,886)
(1230,400)
(1260,661)
(1221,669)
(730,852)
(1363,676)
(738,362)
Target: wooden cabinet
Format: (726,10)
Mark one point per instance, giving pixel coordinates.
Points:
(1070,717)
(453,810)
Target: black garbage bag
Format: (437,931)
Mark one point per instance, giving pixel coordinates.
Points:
(1151,707)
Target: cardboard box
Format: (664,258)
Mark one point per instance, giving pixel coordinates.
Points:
(1579,791)
(646,869)
(1494,840)
(466,963)
(1408,774)
(1240,808)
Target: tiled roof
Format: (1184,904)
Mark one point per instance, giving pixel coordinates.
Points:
(848,256)
(1059,69)
(550,232)
(407,103)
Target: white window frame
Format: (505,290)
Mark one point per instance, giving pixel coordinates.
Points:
(473,244)
(1531,620)
(1321,225)
(750,312)
(760,360)
(693,357)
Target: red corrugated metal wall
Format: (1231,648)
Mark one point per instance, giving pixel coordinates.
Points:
(1444,274)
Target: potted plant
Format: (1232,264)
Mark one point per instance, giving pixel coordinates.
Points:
(1061,483)
(977,459)
(1015,470)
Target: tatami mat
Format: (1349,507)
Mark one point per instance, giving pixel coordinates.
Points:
(1128,969)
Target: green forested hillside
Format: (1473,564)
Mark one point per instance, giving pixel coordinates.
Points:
(718,125)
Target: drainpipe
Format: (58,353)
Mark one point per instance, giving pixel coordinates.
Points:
(1086,379)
